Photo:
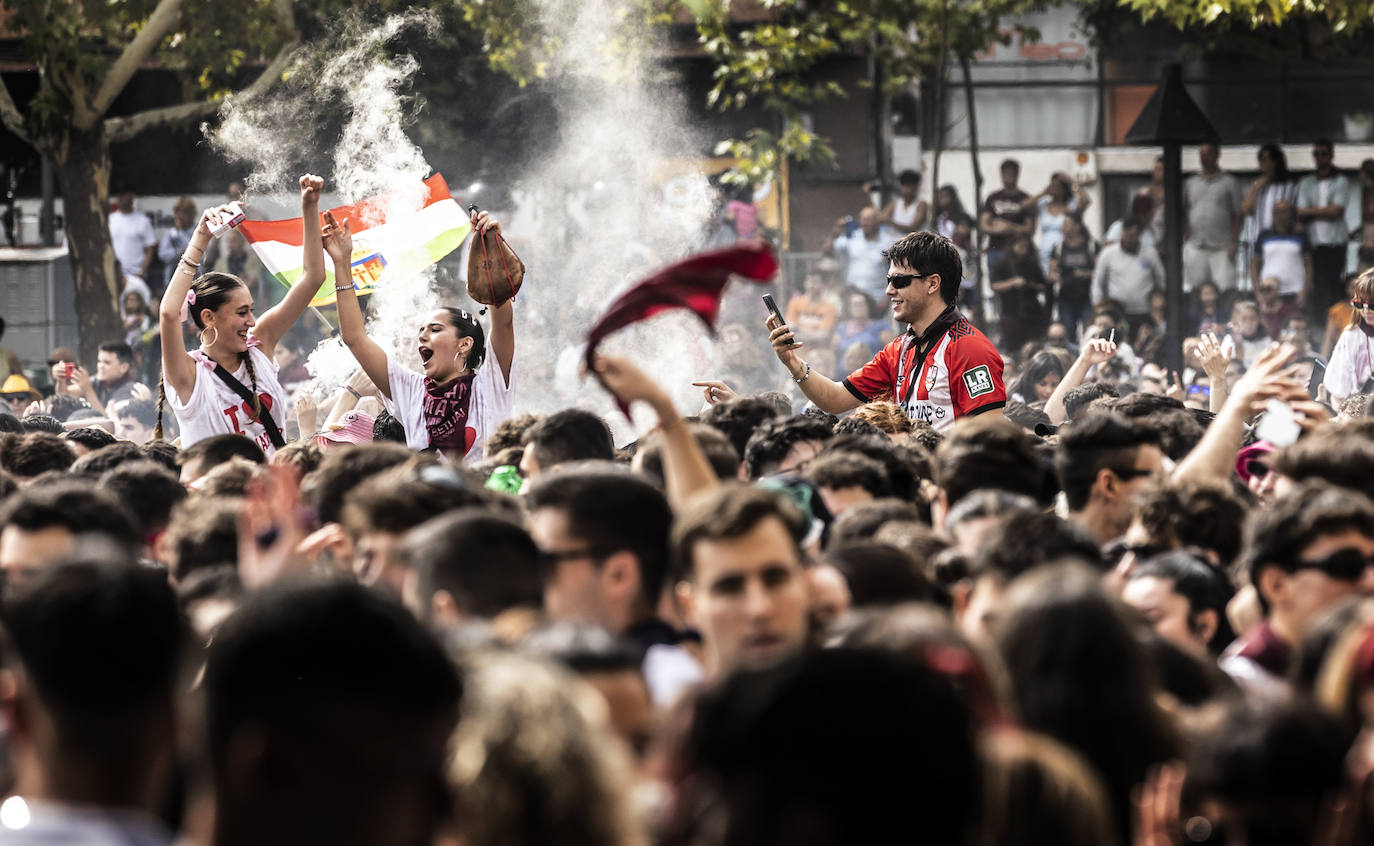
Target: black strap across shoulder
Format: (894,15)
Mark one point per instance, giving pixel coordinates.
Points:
(264,416)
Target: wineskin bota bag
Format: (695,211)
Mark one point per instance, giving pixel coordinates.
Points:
(495,272)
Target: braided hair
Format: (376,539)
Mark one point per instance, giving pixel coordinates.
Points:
(212,290)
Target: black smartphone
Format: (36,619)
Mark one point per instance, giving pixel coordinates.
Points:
(773,307)
(1318,376)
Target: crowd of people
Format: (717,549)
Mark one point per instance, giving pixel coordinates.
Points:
(969,592)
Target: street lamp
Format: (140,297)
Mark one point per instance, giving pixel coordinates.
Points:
(1171,118)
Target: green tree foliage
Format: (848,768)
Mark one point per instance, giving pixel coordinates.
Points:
(1342,16)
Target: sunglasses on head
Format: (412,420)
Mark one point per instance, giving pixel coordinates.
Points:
(900,280)
(1345,565)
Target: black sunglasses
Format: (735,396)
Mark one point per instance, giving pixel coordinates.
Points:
(898,281)
(1344,565)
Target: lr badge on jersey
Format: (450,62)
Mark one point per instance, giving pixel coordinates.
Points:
(978,381)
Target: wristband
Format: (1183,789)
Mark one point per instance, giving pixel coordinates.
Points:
(804,376)
(352,391)
(340,288)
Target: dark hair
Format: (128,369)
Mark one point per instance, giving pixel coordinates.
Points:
(220,582)
(485,561)
(218,449)
(44,423)
(121,350)
(1042,364)
(468,327)
(77,506)
(928,252)
(105,458)
(163,453)
(203,532)
(212,291)
(1010,164)
(1098,441)
(730,511)
(988,454)
(612,511)
(584,649)
(400,498)
(36,452)
(1019,541)
(879,574)
(744,754)
(10,423)
(570,435)
(1275,152)
(1197,581)
(1331,456)
(150,490)
(343,469)
(1197,514)
(90,437)
(863,520)
(64,407)
(1078,398)
(909,177)
(1277,535)
(721,455)
(774,439)
(318,662)
(1324,142)
(103,642)
(837,470)
(739,418)
(142,410)
(388,428)
(1277,766)
(906,465)
(1080,675)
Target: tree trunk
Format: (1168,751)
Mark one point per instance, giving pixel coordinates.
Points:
(941,74)
(966,65)
(82,161)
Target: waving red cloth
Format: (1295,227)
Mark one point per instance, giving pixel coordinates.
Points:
(694,283)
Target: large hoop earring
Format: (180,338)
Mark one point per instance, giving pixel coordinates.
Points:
(205,343)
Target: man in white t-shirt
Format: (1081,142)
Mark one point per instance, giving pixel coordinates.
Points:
(132,235)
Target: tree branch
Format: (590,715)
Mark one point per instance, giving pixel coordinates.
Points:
(133,57)
(124,128)
(10,115)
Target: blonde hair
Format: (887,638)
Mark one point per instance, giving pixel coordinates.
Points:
(1363,290)
(533,760)
(885,415)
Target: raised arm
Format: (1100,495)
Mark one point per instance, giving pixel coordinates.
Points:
(1215,358)
(1094,352)
(1214,456)
(279,319)
(828,395)
(685,468)
(338,242)
(178,369)
(503,315)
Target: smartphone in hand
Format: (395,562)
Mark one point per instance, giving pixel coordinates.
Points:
(773,307)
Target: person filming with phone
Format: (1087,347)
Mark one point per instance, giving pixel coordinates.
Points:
(940,369)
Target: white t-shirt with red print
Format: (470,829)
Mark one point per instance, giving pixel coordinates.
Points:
(475,405)
(214,408)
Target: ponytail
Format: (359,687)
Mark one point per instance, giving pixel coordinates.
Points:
(161,401)
(253,380)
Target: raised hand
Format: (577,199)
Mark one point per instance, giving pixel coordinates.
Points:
(311,188)
(360,383)
(784,342)
(1097,351)
(716,392)
(628,383)
(483,222)
(1214,357)
(338,239)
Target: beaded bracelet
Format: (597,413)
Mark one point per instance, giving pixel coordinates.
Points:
(804,376)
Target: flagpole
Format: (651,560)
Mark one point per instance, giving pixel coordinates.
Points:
(328,327)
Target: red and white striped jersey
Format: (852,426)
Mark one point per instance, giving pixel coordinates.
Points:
(958,373)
